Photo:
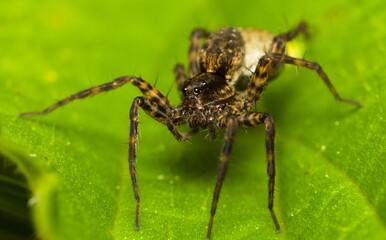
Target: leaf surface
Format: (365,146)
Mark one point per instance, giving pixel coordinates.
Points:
(330,155)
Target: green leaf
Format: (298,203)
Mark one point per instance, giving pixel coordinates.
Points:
(330,156)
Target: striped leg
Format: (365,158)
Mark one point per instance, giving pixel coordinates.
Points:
(159,114)
(261,75)
(180,136)
(194,48)
(231,127)
(259,79)
(278,45)
(154,103)
(253,120)
(180,75)
(133,139)
(150,93)
(279,41)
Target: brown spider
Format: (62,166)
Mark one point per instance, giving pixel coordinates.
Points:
(209,98)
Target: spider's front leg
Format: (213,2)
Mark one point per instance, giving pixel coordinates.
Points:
(157,112)
(154,103)
(150,93)
(248,120)
(133,139)
(154,108)
(231,127)
(253,120)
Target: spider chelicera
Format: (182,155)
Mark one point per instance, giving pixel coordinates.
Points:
(209,98)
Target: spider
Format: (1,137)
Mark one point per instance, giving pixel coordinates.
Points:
(210,99)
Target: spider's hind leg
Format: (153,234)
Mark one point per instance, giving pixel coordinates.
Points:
(194,68)
(268,62)
(180,76)
(195,43)
(281,58)
(278,45)
(279,41)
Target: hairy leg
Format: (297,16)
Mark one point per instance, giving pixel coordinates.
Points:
(261,75)
(195,38)
(133,139)
(279,41)
(149,92)
(253,120)
(231,127)
(159,114)
(154,103)
(180,75)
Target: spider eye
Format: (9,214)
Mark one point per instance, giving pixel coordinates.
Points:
(184,91)
(196,91)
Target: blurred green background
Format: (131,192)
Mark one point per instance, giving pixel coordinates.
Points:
(71,168)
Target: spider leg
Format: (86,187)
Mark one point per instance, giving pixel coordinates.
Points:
(178,135)
(264,68)
(158,113)
(313,66)
(252,120)
(279,41)
(180,75)
(194,48)
(259,79)
(212,131)
(133,139)
(154,104)
(150,93)
(278,45)
(231,127)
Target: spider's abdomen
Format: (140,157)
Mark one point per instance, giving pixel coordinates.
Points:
(235,52)
(222,52)
(257,43)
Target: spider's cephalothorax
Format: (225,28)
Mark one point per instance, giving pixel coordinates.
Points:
(209,98)
(206,88)
(204,102)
